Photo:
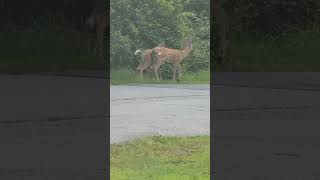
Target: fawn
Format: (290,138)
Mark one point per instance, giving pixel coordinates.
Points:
(145,61)
(174,56)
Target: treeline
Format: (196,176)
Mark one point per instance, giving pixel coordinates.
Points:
(15,13)
(145,24)
(39,36)
(272,17)
(274,29)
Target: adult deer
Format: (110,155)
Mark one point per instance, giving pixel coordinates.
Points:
(146,60)
(174,56)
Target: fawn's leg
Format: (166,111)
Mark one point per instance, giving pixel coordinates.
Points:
(174,68)
(156,67)
(141,71)
(156,72)
(179,71)
(160,73)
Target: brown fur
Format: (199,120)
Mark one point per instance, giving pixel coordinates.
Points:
(173,56)
(146,61)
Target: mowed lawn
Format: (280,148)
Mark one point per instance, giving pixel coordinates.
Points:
(161,158)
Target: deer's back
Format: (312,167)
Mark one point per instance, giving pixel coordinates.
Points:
(169,55)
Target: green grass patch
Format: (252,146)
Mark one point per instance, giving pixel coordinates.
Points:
(294,51)
(128,76)
(161,158)
(32,51)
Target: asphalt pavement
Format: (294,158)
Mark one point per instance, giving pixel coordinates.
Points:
(266,125)
(53,127)
(174,110)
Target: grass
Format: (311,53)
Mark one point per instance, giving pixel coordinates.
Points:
(127,76)
(32,51)
(161,158)
(294,51)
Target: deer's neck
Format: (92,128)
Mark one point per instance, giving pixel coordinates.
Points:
(186,51)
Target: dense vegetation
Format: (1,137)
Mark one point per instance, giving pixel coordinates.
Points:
(260,35)
(37,36)
(145,24)
(272,35)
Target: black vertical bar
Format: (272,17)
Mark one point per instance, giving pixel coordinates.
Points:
(108,88)
(211,94)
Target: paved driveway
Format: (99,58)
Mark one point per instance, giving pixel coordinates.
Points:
(180,110)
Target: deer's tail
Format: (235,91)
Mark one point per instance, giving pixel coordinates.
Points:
(138,51)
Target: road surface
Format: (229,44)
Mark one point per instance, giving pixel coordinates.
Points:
(53,127)
(266,126)
(176,110)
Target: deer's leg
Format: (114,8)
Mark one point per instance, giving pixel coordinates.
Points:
(156,72)
(179,71)
(156,67)
(141,71)
(160,73)
(174,68)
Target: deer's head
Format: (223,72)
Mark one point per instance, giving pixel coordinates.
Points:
(139,52)
(188,46)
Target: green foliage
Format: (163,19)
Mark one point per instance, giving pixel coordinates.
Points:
(145,24)
(120,49)
(41,50)
(292,51)
(272,35)
(37,12)
(273,16)
(42,36)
